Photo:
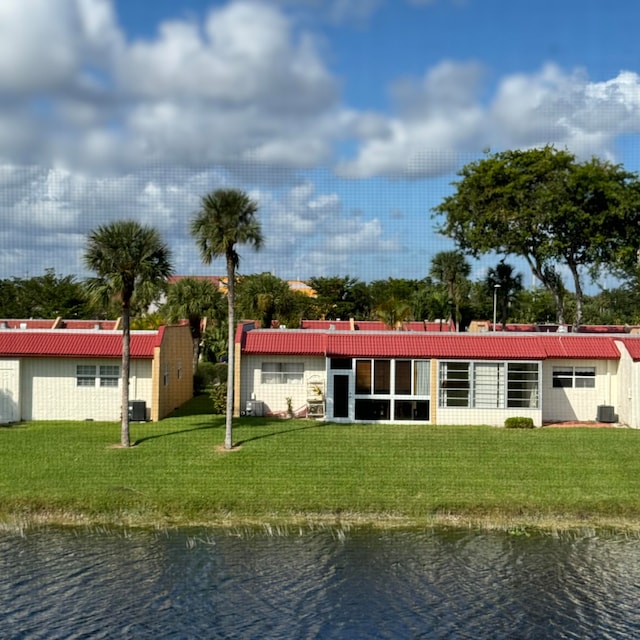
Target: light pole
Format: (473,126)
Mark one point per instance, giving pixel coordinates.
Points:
(495,304)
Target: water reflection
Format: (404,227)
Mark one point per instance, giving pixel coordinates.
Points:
(324,584)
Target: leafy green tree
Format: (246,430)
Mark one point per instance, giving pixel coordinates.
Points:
(192,299)
(431,302)
(46,296)
(544,206)
(533,306)
(341,298)
(381,291)
(226,218)
(451,270)
(126,256)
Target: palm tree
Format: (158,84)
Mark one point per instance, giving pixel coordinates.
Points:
(509,284)
(192,299)
(126,256)
(265,297)
(226,218)
(451,269)
(394,313)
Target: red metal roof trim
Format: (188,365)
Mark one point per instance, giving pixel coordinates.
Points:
(57,344)
(285,342)
(421,345)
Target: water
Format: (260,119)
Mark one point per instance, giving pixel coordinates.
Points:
(328,583)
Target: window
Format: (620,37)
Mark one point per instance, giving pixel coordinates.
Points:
(403,377)
(109,375)
(165,375)
(282,372)
(522,385)
(341,363)
(454,384)
(488,385)
(90,375)
(86,375)
(363,377)
(578,377)
(371,409)
(405,383)
(483,385)
(382,377)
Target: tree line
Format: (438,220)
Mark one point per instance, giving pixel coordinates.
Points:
(447,291)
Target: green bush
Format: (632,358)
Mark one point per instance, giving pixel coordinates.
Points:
(208,374)
(218,395)
(519,423)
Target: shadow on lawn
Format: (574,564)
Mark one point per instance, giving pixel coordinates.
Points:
(177,432)
(313,425)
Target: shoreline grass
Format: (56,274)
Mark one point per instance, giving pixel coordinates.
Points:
(302,473)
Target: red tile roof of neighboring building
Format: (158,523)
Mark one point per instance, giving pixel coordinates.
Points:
(633,346)
(68,343)
(391,344)
(374,325)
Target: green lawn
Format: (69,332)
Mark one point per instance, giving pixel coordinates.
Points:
(295,471)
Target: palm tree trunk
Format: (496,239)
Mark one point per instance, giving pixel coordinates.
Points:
(126,350)
(228,436)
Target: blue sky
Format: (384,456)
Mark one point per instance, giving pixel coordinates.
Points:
(345,119)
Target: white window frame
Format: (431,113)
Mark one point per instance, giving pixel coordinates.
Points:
(282,373)
(575,377)
(489,384)
(91,375)
(109,375)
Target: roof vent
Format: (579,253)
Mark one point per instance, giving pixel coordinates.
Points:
(4,325)
(97,326)
(23,325)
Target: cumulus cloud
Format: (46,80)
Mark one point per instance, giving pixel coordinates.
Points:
(245,83)
(96,125)
(441,119)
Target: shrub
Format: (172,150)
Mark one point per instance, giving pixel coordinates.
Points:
(218,395)
(519,423)
(207,374)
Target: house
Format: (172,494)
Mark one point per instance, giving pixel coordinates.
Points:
(75,374)
(438,377)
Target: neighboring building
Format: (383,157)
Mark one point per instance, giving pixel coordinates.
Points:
(75,374)
(438,377)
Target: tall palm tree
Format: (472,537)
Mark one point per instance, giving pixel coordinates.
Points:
(192,299)
(451,269)
(126,256)
(226,218)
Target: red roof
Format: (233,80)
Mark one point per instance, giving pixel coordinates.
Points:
(633,346)
(373,325)
(391,344)
(60,344)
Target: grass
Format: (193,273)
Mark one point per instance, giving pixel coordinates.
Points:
(299,471)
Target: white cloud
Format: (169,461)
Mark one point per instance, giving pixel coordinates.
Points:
(440,120)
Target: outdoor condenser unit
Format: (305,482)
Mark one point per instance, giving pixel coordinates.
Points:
(606,414)
(137,410)
(254,408)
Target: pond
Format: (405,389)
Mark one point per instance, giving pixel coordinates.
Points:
(322,583)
